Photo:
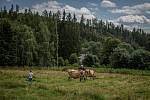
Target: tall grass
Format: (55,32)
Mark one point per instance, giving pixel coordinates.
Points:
(97,69)
(53,84)
(123,71)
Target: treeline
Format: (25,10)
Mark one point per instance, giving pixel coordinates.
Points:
(33,39)
(116,54)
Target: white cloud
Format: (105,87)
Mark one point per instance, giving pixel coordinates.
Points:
(134,19)
(54,6)
(126,11)
(108,4)
(68,9)
(131,21)
(136,9)
(93,7)
(23,10)
(86,12)
(129,27)
(114,22)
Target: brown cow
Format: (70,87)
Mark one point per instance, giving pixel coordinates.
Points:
(90,73)
(75,74)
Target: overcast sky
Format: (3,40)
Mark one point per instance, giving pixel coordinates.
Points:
(131,13)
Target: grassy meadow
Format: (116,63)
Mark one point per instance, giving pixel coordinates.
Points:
(53,84)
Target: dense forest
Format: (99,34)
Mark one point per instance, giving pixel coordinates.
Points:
(51,39)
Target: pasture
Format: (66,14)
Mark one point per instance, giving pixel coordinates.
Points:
(53,84)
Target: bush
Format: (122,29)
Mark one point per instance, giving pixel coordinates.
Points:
(126,46)
(109,45)
(92,47)
(140,59)
(75,65)
(91,60)
(66,62)
(73,58)
(61,61)
(120,58)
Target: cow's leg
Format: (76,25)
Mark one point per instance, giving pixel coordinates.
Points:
(80,79)
(94,77)
(84,78)
(69,78)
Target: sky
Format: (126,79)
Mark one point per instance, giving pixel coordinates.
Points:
(130,13)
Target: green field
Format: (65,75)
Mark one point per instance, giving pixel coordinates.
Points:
(54,85)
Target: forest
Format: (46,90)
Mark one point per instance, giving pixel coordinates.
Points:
(58,39)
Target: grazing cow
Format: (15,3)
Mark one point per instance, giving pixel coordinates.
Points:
(90,73)
(75,74)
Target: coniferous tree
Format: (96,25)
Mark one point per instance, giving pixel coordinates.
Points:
(50,14)
(74,20)
(8,44)
(45,13)
(17,8)
(69,17)
(64,16)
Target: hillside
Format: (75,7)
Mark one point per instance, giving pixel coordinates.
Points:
(38,40)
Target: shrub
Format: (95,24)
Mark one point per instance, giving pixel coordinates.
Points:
(140,59)
(75,65)
(73,58)
(91,60)
(109,45)
(120,58)
(126,46)
(66,62)
(61,61)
